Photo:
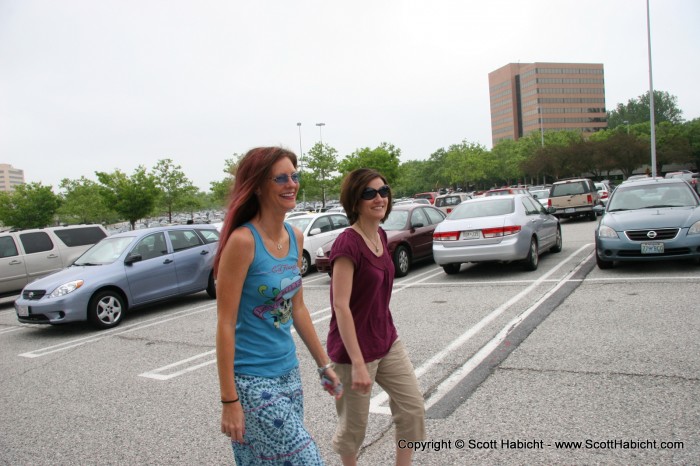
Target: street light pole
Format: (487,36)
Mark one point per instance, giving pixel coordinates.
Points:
(320,135)
(651,100)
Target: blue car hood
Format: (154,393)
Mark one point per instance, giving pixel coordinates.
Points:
(651,218)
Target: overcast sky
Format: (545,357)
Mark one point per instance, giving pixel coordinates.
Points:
(99,85)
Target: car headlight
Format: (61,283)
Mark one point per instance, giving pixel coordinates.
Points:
(694,228)
(606,232)
(319,252)
(66,288)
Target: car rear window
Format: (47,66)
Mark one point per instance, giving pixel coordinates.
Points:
(490,208)
(569,189)
(449,200)
(81,236)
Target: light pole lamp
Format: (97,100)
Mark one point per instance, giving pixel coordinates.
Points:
(628,125)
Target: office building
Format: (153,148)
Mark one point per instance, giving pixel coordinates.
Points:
(10,177)
(527,97)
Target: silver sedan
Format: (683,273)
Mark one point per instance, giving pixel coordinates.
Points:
(501,228)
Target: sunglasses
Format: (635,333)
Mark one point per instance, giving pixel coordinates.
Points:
(370,193)
(284,178)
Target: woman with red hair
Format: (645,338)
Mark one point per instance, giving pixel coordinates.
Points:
(259,298)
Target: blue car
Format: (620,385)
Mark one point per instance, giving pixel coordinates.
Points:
(650,219)
(121,272)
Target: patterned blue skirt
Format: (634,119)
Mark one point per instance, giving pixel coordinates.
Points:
(274,422)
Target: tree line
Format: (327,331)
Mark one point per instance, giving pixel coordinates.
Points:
(618,151)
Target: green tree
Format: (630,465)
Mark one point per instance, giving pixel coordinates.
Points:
(175,188)
(384,159)
(320,171)
(29,206)
(414,176)
(82,203)
(692,134)
(131,197)
(637,110)
(220,189)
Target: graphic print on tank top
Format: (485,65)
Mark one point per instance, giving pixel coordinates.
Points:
(279,300)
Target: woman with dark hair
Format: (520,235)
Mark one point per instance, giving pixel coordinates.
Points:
(362,340)
(259,298)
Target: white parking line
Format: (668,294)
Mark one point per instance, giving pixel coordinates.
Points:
(457,376)
(10,329)
(380,398)
(116,331)
(158,373)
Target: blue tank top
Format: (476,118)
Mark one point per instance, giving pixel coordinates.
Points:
(264,343)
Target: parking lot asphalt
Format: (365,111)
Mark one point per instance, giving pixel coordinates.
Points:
(568,364)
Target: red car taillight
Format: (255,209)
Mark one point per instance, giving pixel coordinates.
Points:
(500,231)
(589,198)
(549,203)
(446,236)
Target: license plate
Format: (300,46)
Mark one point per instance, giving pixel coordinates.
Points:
(23,311)
(652,248)
(570,210)
(473,234)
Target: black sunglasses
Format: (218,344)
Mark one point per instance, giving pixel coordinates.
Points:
(284,178)
(370,193)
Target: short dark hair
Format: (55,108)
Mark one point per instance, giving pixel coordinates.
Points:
(351,191)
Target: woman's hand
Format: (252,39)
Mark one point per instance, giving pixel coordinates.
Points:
(336,388)
(360,378)
(233,421)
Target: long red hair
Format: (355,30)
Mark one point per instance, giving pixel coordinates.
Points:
(252,171)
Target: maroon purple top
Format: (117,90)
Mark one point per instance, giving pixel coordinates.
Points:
(372,282)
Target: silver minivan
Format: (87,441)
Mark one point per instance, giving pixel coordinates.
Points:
(27,255)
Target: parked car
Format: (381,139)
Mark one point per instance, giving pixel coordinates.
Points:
(574,197)
(447,202)
(27,255)
(413,201)
(504,228)
(542,196)
(505,191)
(409,229)
(604,191)
(654,219)
(636,178)
(430,196)
(318,229)
(122,272)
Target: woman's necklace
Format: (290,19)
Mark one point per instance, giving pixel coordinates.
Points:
(376,246)
(279,242)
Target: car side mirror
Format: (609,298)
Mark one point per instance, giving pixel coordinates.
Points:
(417,225)
(314,231)
(133,257)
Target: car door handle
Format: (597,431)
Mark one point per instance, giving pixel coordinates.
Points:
(15,262)
(204,252)
(52,256)
(167,261)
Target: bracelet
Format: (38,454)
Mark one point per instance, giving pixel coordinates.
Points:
(229,401)
(322,370)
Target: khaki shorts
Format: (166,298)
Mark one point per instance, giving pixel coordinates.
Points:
(395,374)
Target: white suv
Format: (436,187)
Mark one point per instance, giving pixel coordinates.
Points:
(27,255)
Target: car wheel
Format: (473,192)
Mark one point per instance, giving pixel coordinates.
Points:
(592,216)
(533,257)
(211,286)
(402,261)
(305,261)
(106,309)
(558,241)
(451,269)
(603,264)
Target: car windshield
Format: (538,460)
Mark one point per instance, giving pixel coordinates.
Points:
(540,193)
(652,196)
(105,252)
(487,208)
(299,222)
(396,220)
